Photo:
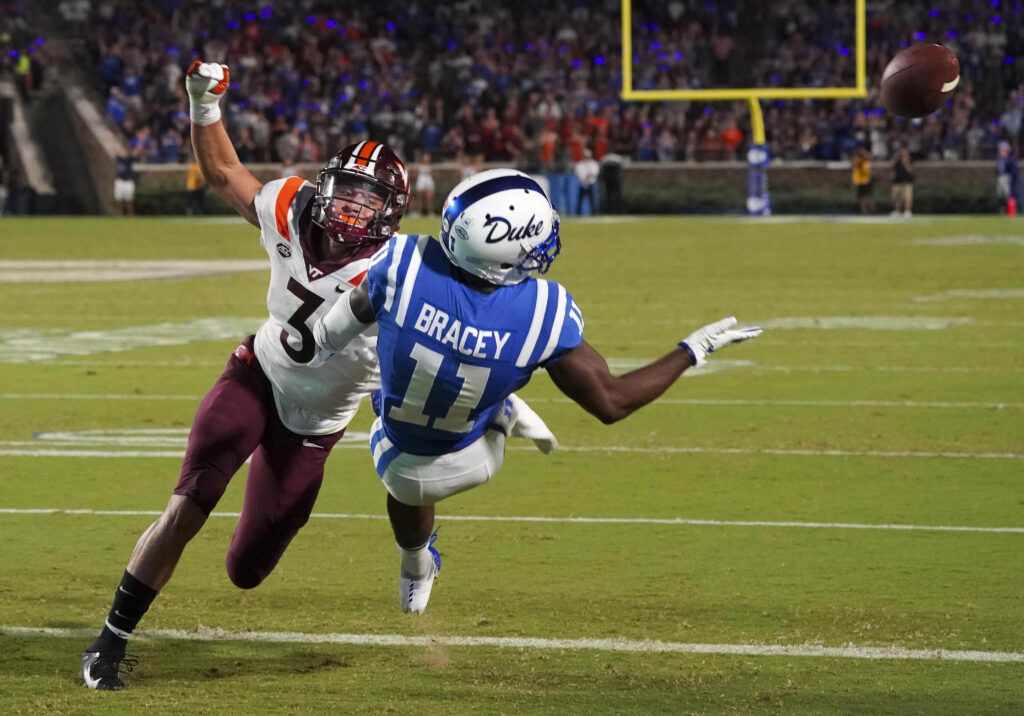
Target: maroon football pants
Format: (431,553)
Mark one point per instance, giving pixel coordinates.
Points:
(236,419)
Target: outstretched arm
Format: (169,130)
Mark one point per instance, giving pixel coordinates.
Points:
(583,375)
(206,83)
(349,316)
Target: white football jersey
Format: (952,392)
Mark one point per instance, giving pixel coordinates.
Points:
(316,393)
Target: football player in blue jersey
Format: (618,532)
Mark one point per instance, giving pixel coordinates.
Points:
(462,324)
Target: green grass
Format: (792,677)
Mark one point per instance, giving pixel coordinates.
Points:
(816,424)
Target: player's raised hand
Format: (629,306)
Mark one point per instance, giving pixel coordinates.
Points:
(714,336)
(205,83)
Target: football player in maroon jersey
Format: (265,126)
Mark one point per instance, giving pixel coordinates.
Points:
(280,400)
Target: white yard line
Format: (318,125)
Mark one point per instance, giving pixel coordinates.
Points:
(929,404)
(17,449)
(95,396)
(560,520)
(647,646)
(805,453)
(945,404)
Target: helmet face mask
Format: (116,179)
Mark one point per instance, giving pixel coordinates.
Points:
(361,195)
(499,225)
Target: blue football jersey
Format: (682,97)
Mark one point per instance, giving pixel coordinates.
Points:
(449,355)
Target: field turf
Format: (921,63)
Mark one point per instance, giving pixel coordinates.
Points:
(830,520)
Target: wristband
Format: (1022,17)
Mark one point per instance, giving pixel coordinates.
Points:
(693,356)
(203,114)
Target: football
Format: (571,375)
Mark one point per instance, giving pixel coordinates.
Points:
(919,80)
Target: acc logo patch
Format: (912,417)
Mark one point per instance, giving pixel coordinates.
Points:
(284,250)
(461,233)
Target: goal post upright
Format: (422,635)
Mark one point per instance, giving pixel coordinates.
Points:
(757,156)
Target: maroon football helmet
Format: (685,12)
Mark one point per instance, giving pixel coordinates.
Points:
(361,194)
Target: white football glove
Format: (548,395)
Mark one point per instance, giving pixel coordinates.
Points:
(205,83)
(714,336)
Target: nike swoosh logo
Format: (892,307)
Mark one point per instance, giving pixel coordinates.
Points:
(307,443)
(88,678)
(124,591)
(951,84)
(340,289)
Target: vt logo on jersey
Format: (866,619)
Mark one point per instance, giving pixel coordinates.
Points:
(502,230)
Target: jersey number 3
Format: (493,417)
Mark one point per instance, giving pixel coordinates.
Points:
(428,365)
(310,302)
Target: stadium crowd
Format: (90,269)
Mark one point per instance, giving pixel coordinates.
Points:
(530,86)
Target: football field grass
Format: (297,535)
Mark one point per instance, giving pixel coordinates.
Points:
(827,520)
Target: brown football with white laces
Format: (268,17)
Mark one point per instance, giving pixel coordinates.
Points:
(919,80)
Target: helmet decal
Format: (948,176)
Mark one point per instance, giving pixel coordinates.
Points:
(364,157)
(502,229)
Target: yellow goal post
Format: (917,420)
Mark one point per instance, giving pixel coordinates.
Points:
(752,95)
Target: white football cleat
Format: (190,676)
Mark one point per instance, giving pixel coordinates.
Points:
(413,594)
(525,423)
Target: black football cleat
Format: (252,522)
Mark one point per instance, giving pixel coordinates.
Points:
(101,671)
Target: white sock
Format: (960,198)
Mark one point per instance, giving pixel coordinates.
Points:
(417,563)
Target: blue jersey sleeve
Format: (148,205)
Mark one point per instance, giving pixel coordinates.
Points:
(555,328)
(569,331)
(377,275)
(388,267)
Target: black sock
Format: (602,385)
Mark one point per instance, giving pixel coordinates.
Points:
(131,601)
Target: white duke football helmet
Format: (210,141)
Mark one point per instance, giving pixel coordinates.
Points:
(499,225)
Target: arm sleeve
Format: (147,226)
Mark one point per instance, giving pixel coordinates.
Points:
(337,327)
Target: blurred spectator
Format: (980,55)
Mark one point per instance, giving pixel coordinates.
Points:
(665,146)
(732,137)
(287,168)
(245,146)
(587,171)
(862,181)
(423,187)
(4,183)
(611,182)
(124,181)
(195,188)
(502,74)
(1007,178)
(903,185)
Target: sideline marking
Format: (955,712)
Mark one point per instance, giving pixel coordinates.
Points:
(967,240)
(15,451)
(506,642)
(94,396)
(955,405)
(869,323)
(91,270)
(818,403)
(623,364)
(561,520)
(27,345)
(138,437)
(954,293)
